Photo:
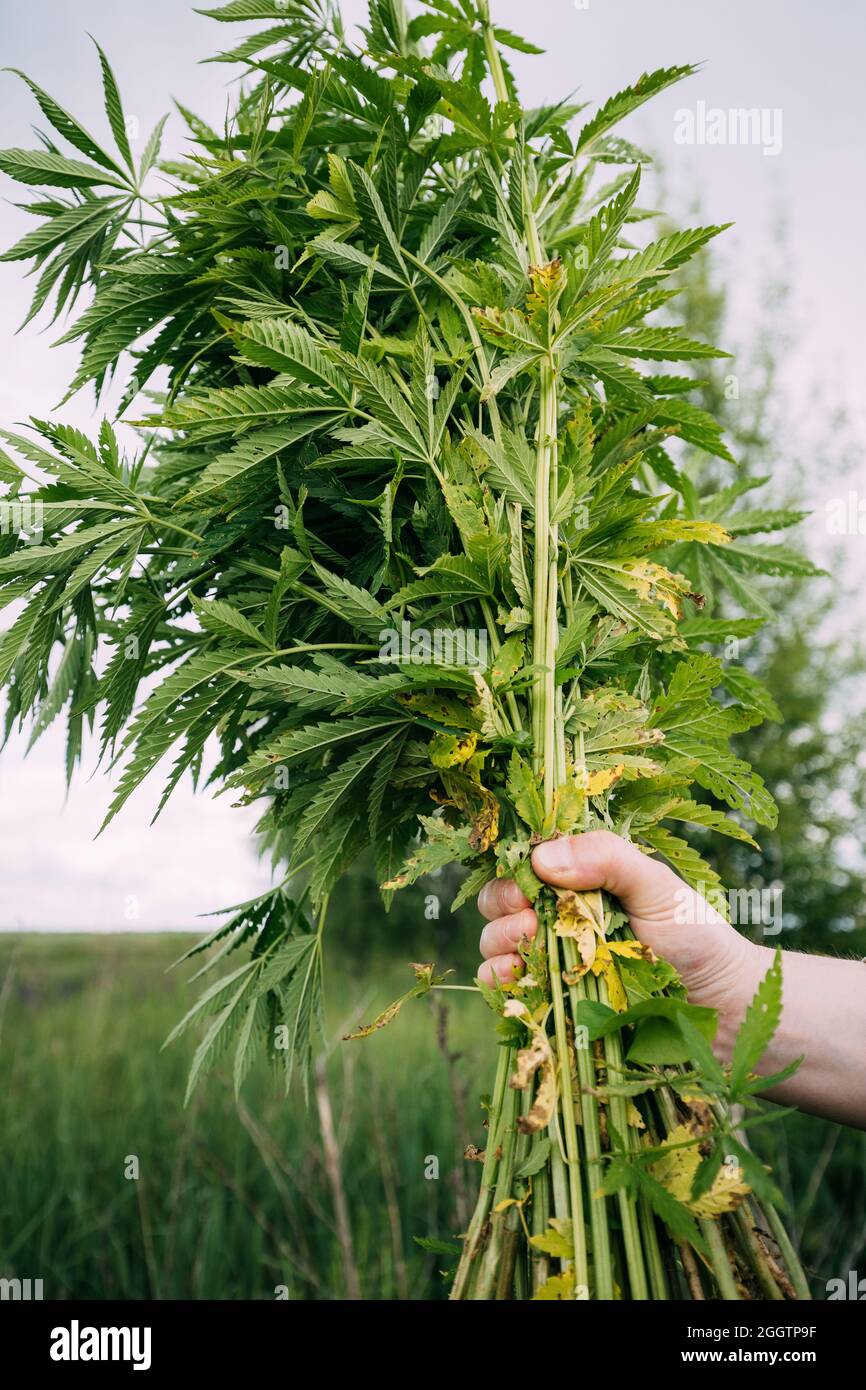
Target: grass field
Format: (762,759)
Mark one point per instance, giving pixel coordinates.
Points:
(229,1203)
(233,1202)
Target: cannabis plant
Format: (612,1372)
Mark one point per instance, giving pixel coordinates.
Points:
(413,532)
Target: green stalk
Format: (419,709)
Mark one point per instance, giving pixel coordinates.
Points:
(601,1251)
(628,1203)
(657,1274)
(509,1264)
(559,1182)
(543,722)
(490,1261)
(572,1148)
(548,734)
(543,588)
(755,1250)
(545,447)
(756,1254)
(488,1178)
(539,1262)
(719,1258)
(792,1261)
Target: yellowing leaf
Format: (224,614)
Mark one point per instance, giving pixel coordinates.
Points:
(659,585)
(524,792)
(381,1021)
(676,1170)
(530,1058)
(449,750)
(576,911)
(633,950)
(537,1057)
(548,282)
(506,1203)
(598,782)
(568,804)
(557,1240)
(485,828)
(726,1194)
(558,1288)
(442,708)
(604,965)
(425,980)
(486,708)
(478,804)
(508,662)
(580,916)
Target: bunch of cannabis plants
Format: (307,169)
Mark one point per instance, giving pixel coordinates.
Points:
(414,532)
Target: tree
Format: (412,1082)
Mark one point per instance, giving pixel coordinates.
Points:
(810,867)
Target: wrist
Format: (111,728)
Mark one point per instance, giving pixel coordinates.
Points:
(728,985)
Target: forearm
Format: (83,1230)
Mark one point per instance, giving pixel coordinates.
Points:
(823,1021)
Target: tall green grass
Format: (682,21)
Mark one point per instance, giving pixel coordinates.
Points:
(231,1203)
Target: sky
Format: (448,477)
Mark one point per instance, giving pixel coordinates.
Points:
(798,64)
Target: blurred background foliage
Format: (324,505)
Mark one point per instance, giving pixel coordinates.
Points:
(330,1198)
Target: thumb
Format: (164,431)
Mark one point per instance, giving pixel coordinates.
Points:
(664,912)
(600,859)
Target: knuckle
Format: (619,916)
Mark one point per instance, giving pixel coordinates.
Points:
(485,896)
(520,925)
(606,842)
(490,938)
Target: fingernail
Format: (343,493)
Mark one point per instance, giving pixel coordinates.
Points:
(552,857)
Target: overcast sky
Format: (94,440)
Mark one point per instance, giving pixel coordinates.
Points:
(797,62)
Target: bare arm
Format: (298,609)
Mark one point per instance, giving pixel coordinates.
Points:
(823,1021)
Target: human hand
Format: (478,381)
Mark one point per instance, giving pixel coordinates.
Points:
(824,1015)
(718,966)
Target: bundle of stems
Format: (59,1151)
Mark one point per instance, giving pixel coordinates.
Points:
(401,324)
(530,1208)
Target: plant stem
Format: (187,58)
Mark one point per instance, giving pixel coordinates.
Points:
(509,1264)
(506,1139)
(754,1248)
(572,1148)
(488,1177)
(628,1203)
(720,1260)
(539,1262)
(598,1211)
(795,1268)
(756,1254)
